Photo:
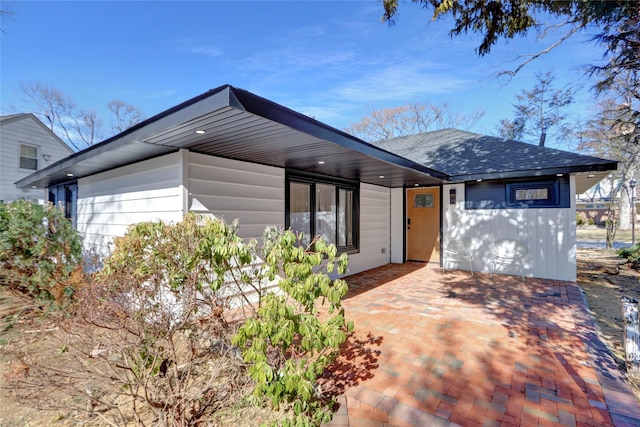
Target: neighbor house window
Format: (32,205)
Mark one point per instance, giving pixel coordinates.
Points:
(323,206)
(28,157)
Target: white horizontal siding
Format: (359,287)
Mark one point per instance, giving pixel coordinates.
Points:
(375,232)
(230,189)
(25,131)
(109,202)
(548,233)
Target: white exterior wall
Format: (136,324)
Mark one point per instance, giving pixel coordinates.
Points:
(25,130)
(375,230)
(549,233)
(252,193)
(165,187)
(109,202)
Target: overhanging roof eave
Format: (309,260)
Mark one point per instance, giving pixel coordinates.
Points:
(218,97)
(278,113)
(116,148)
(605,166)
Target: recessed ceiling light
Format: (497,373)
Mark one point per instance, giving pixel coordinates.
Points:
(33,186)
(416,185)
(590,175)
(321,162)
(69,174)
(381,176)
(559,174)
(478,180)
(201,131)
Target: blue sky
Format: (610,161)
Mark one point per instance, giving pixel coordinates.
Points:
(334,60)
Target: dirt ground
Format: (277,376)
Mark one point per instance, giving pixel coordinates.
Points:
(601,274)
(605,279)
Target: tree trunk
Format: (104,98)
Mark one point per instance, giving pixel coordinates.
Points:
(624,216)
(543,137)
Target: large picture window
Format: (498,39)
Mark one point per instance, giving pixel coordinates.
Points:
(323,206)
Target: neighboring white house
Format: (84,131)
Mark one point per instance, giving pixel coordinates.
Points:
(233,154)
(26,146)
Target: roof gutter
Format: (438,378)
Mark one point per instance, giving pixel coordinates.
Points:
(599,167)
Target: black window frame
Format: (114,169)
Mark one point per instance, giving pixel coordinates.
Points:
(65,196)
(313,179)
(552,187)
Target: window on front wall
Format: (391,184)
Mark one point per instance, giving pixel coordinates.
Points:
(521,193)
(65,196)
(28,157)
(534,194)
(323,206)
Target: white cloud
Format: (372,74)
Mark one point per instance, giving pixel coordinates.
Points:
(404,82)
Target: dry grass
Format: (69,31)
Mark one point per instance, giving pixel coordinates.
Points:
(599,234)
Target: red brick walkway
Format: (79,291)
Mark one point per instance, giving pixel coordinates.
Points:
(436,348)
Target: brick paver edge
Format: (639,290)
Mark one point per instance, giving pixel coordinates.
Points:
(624,408)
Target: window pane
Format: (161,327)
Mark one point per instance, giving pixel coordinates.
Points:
(326,212)
(300,209)
(28,151)
(71,206)
(423,201)
(345,217)
(26,163)
(28,157)
(532,194)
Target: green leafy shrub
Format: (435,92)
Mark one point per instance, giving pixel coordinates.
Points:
(153,340)
(160,305)
(579,219)
(289,343)
(40,251)
(632,255)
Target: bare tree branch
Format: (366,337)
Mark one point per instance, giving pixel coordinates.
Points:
(532,57)
(409,119)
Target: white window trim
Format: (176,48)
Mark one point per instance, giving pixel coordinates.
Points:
(20,156)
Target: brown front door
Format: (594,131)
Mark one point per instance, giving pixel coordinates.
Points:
(423,224)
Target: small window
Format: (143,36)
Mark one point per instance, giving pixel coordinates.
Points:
(540,193)
(532,194)
(28,157)
(322,206)
(423,201)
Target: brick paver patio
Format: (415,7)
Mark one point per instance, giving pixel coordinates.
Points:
(436,348)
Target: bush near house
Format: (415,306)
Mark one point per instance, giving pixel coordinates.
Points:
(287,344)
(156,339)
(40,252)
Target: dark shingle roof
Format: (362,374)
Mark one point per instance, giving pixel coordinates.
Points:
(467,156)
